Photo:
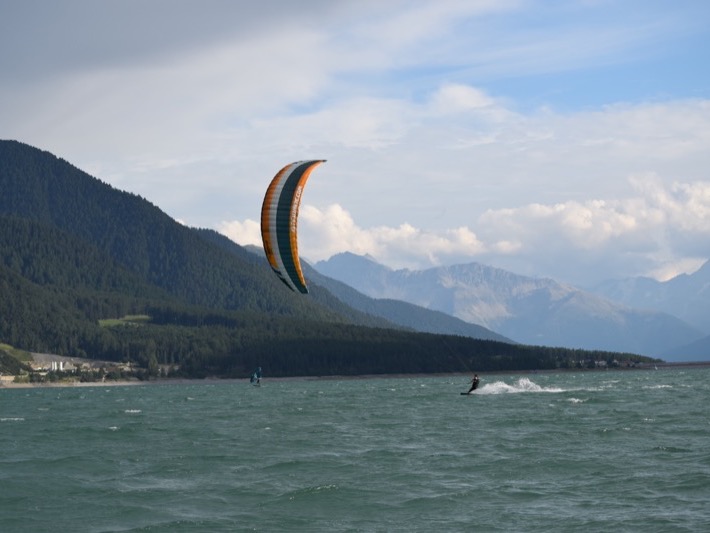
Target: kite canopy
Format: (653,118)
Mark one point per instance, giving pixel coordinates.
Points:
(279,221)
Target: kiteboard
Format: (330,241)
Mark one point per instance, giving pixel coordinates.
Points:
(466,393)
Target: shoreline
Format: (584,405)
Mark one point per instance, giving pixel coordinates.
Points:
(117,383)
(215,380)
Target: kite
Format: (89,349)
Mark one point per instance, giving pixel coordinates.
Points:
(279,222)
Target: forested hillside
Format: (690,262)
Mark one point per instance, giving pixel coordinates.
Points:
(137,235)
(75,252)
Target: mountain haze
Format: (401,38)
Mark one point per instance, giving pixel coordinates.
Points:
(402,313)
(686,296)
(695,351)
(527,310)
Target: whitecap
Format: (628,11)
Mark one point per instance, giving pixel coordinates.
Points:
(12,419)
(522,385)
(331,486)
(133,411)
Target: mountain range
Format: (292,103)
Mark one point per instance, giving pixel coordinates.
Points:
(686,296)
(543,311)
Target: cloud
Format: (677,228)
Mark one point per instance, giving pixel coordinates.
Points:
(655,226)
(324,233)
(443,124)
(628,232)
(244,233)
(78,36)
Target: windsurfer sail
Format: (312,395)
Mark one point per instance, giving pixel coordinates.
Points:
(256,377)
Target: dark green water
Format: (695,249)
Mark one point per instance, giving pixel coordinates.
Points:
(602,451)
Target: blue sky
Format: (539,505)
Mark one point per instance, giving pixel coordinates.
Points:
(564,139)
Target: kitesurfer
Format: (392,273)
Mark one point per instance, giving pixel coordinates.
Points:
(474,384)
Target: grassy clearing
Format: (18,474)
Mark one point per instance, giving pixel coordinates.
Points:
(20,355)
(128,320)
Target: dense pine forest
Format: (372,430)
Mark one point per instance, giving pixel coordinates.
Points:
(75,252)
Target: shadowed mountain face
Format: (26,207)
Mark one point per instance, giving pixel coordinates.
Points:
(686,296)
(527,310)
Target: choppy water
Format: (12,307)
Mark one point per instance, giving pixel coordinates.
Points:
(598,451)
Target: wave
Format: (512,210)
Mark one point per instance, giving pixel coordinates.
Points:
(522,385)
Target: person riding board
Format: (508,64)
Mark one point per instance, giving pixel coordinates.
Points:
(474,383)
(256,377)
